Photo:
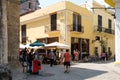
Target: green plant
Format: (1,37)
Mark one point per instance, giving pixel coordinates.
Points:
(103,44)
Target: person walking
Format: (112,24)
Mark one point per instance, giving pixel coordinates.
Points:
(30,59)
(76,54)
(67,59)
(52,55)
(103,56)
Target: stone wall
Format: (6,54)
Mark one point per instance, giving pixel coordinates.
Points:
(13,14)
(5,73)
(9,37)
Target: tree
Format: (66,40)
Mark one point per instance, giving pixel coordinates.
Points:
(103,44)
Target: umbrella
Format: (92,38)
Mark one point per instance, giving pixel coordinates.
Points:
(37,43)
(23,46)
(57,45)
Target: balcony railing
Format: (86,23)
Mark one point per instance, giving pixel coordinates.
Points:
(77,29)
(48,28)
(69,28)
(103,29)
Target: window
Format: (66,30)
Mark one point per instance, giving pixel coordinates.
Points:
(77,22)
(53,22)
(52,39)
(23,34)
(99,23)
(30,5)
(109,24)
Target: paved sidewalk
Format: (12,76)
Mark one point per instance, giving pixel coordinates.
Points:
(79,71)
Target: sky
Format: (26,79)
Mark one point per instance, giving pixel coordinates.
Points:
(44,3)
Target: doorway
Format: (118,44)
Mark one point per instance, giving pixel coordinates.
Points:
(82,45)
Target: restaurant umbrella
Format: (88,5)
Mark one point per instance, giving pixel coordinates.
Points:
(37,43)
(24,46)
(57,45)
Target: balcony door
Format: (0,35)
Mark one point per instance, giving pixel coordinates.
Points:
(77,22)
(99,22)
(53,22)
(110,25)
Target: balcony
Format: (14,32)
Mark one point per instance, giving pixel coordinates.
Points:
(77,29)
(48,28)
(103,29)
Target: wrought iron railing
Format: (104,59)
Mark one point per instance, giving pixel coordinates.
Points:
(69,28)
(79,28)
(49,29)
(103,29)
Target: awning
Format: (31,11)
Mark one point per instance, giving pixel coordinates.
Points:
(110,2)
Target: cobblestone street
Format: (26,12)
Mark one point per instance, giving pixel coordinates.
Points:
(79,71)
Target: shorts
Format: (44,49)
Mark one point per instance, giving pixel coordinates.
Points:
(66,63)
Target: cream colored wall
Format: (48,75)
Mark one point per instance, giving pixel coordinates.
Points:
(87,19)
(36,29)
(105,16)
(36,23)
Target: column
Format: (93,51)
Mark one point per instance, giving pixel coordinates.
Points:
(117,31)
(13,24)
(3,33)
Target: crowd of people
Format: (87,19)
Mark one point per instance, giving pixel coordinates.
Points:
(26,57)
(53,57)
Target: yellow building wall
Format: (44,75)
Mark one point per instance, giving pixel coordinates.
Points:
(37,21)
(106,14)
(36,29)
(87,19)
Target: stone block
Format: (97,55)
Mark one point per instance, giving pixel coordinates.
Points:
(5,72)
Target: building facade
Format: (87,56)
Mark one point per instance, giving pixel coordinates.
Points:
(103,28)
(67,23)
(27,6)
(116,4)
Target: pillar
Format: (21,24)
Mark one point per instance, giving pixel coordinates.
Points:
(117,31)
(13,23)
(3,33)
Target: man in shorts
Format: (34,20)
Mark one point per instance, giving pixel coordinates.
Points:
(67,59)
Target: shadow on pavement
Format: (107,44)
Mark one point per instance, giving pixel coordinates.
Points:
(57,73)
(83,73)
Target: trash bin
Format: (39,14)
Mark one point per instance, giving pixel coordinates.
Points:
(36,66)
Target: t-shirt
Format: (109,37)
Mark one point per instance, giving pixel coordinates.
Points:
(67,57)
(76,54)
(51,55)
